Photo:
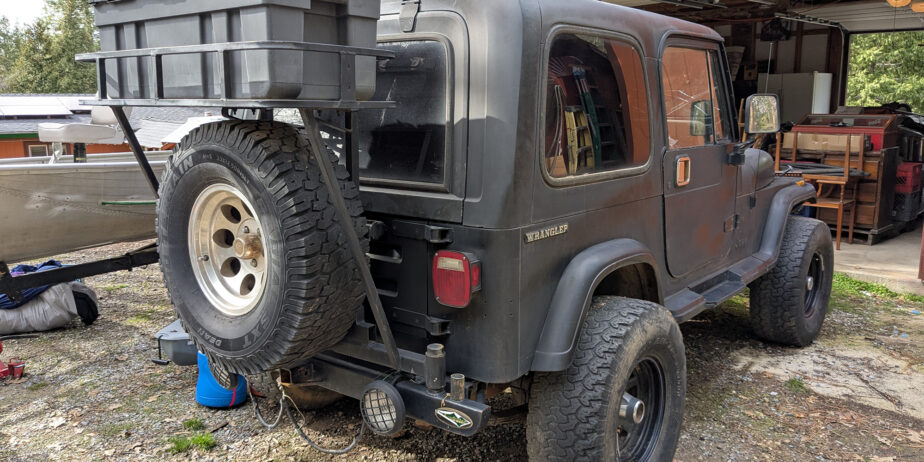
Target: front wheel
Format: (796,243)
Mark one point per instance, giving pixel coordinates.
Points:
(788,304)
(622,397)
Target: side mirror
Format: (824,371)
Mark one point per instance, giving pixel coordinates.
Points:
(762,114)
(701,118)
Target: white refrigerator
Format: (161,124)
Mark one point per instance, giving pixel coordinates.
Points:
(800,94)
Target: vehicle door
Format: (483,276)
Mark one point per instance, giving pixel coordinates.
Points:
(699,183)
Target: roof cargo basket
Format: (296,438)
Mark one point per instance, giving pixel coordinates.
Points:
(237,53)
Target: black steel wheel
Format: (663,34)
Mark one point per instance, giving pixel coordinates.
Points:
(813,283)
(622,397)
(789,303)
(641,412)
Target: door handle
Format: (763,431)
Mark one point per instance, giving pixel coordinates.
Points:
(683,171)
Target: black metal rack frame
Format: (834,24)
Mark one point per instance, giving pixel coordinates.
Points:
(347,101)
(389,353)
(347,55)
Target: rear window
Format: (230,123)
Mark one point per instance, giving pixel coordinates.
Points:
(596,115)
(407,143)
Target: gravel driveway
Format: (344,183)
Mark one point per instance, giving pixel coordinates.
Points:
(92,392)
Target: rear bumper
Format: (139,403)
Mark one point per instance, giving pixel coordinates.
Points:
(349,377)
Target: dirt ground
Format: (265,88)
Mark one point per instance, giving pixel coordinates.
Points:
(92,393)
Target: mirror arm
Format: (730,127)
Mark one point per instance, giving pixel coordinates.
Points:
(737,155)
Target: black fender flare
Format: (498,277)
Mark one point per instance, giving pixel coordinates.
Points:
(784,201)
(573,296)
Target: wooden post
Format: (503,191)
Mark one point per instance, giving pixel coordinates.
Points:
(862,152)
(779,147)
(840,203)
(856,191)
(840,219)
(847,158)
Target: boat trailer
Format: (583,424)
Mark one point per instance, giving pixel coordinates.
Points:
(12,286)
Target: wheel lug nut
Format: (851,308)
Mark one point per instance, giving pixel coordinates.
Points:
(253,262)
(246,230)
(204,258)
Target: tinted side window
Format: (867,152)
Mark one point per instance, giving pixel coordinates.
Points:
(596,107)
(407,142)
(694,98)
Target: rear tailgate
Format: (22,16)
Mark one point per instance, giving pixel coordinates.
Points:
(412,157)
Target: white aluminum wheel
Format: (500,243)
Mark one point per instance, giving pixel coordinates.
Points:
(226,245)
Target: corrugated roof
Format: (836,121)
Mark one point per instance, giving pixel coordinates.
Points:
(177,135)
(169,114)
(25,126)
(40,105)
(152,132)
(30,106)
(38,110)
(288,115)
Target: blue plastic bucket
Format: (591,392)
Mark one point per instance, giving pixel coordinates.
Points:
(210,393)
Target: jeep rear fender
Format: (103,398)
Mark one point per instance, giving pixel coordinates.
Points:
(573,296)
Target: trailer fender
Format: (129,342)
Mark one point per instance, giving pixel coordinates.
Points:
(573,295)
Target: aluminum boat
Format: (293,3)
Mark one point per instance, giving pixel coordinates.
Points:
(51,205)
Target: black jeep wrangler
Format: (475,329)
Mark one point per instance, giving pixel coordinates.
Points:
(556,187)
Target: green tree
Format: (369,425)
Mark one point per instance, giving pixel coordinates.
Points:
(886,67)
(44,59)
(10,41)
(31,72)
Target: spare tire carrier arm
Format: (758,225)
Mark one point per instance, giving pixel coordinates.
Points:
(319,151)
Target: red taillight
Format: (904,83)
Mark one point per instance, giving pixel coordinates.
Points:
(455,276)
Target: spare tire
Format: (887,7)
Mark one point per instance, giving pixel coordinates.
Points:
(253,255)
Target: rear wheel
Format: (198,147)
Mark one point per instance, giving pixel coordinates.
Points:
(253,256)
(622,397)
(788,304)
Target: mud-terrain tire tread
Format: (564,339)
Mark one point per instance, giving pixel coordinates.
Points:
(777,300)
(568,409)
(322,285)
